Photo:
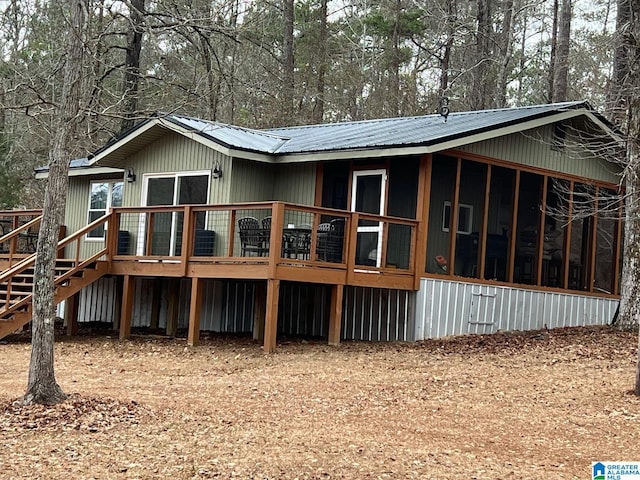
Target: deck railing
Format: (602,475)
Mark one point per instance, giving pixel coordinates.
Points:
(18,234)
(265,233)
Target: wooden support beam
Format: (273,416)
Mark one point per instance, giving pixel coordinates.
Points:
(541,234)
(271,317)
(514,228)
(453,220)
(71,314)
(593,248)
(422,215)
(194,311)
(482,247)
(335,318)
(566,265)
(259,310)
(173,307)
(127,306)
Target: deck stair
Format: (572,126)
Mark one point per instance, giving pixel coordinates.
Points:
(16,285)
(71,275)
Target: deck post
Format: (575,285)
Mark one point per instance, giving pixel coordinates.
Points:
(259,310)
(127,307)
(335,315)
(172,307)
(194,311)
(71,314)
(271,316)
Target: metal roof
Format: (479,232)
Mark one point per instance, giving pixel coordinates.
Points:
(230,135)
(406,131)
(369,134)
(420,133)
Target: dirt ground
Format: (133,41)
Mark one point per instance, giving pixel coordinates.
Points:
(507,406)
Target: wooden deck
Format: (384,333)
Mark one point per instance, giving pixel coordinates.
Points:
(285,242)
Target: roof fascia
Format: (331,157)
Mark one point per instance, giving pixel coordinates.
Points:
(447,144)
(123,141)
(83,171)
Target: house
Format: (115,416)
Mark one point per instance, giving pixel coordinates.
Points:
(390,229)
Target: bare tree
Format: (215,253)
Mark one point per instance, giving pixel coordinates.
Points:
(132,63)
(42,386)
(560,70)
(288,63)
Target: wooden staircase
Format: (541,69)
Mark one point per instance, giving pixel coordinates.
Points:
(16,285)
(71,275)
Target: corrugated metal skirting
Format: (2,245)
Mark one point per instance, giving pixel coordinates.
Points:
(378,314)
(447,307)
(227,306)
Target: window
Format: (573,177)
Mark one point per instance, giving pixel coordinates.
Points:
(465,217)
(102,197)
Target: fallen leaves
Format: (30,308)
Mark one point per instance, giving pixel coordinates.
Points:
(511,405)
(76,413)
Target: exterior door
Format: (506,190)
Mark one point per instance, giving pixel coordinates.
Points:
(175,189)
(368,196)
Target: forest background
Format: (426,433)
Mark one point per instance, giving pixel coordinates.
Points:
(257,63)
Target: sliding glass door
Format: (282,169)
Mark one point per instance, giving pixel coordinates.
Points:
(191,188)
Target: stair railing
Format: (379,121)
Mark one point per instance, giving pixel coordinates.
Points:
(28,262)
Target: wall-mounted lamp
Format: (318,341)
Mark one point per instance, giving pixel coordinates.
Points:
(217,171)
(131,176)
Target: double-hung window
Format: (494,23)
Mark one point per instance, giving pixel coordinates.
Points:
(103,196)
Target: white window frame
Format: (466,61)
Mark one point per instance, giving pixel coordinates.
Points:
(468,227)
(145,187)
(111,184)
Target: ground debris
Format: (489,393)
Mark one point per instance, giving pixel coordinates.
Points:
(76,413)
(521,405)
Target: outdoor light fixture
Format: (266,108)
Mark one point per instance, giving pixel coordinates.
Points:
(217,171)
(131,177)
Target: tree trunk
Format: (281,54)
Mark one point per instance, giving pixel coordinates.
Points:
(482,56)
(131,84)
(554,50)
(616,95)
(505,53)
(42,386)
(446,54)
(318,108)
(288,65)
(561,65)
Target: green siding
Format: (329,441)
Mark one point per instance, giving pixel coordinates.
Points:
(295,183)
(176,153)
(534,148)
(251,181)
(256,182)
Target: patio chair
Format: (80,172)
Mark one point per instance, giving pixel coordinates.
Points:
(336,240)
(251,237)
(331,241)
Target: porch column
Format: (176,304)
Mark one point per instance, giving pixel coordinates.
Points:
(259,310)
(335,315)
(71,314)
(271,316)
(194,311)
(127,307)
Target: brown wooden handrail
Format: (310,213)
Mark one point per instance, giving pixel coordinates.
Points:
(21,228)
(23,265)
